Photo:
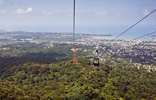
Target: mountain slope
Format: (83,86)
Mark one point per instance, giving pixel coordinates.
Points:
(64,80)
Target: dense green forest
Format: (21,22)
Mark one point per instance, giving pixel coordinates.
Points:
(65,81)
(48,74)
(21,53)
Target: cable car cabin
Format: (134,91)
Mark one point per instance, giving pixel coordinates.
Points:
(96,62)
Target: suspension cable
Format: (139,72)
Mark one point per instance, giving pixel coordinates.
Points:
(134,24)
(145,35)
(73,22)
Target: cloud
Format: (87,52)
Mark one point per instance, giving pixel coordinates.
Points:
(46,12)
(2,2)
(29,10)
(22,11)
(19,11)
(2,11)
(102,13)
(145,12)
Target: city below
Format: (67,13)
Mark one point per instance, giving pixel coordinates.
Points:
(143,52)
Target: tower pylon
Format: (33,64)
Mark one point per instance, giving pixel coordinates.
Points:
(75,56)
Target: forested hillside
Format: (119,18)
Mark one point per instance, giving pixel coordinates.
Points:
(65,81)
(43,53)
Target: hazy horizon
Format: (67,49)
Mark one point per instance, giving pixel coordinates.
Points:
(92,17)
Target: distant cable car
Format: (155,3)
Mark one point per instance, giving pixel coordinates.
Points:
(96,62)
(96,59)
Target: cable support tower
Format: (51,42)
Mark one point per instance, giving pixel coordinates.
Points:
(134,25)
(74,47)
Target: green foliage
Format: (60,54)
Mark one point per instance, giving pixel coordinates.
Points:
(47,74)
(77,82)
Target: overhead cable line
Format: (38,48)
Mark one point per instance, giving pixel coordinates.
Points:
(73,22)
(74,47)
(145,35)
(134,24)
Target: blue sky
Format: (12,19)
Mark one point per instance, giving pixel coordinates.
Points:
(92,16)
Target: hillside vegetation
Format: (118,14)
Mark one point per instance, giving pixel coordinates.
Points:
(65,81)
